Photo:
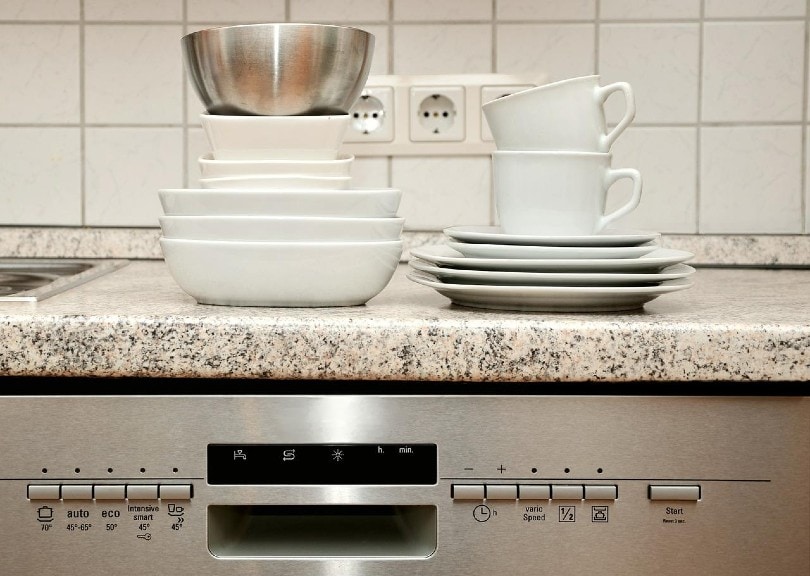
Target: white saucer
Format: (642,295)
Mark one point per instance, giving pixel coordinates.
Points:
(534,252)
(550,298)
(493,235)
(456,276)
(442,255)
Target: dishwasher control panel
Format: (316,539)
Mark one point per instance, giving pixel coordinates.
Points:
(405,485)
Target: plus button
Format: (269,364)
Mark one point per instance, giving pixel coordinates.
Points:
(501,469)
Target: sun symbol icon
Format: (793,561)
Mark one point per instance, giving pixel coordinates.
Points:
(337,455)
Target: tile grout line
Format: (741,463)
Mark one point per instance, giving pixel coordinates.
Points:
(184,107)
(803,160)
(699,124)
(597,34)
(389,160)
(82,120)
(494,68)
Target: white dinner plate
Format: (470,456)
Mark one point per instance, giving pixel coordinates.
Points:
(443,255)
(493,235)
(550,298)
(499,278)
(549,252)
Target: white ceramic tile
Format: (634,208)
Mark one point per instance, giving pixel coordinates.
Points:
(648,9)
(667,160)
(125,168)
(557,50)
(441,192)
(750,180)
(442,49)
(133,74)
(370,172)
(754,8)
(236,11)
(197,146)
(39,68)
(447,10)
(127,10)
(338,10)
(753,71)
(40,176)
(545,10)
(660,61)
(39,10)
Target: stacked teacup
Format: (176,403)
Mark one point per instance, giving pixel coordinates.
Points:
(552,169)
(554,249)
(276,222)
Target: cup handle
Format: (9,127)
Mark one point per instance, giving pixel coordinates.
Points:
(611,178)
(602,94)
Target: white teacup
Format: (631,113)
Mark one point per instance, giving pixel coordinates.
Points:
(567,115)
(557,193)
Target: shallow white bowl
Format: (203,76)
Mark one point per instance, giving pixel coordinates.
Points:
(285,274)
(371,203)
(277,182)
(275,137)
(281,228)
(212,168)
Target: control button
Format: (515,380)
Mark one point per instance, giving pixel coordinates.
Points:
(43,491)
(110,492)
(175,491)
(77,492)
(566,492)
(142,491)
(534,492)
(501,492)
(468,492)
(601,492)
(674,493)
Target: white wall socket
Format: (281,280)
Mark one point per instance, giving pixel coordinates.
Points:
(431,115)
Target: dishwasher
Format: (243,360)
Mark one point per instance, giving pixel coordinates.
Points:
(170,477)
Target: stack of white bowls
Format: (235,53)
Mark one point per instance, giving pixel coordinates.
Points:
(554,249)
(276,221)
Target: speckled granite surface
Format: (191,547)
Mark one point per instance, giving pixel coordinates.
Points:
(142,243)
(732,324)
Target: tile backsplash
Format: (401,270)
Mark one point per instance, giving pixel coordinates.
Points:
(96,114)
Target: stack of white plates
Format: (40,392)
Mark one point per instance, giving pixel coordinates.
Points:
(613,270)
(276,222)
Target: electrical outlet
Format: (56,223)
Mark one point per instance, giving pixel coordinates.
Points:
(437,114)
(373,116)
(490,93)
(409,121)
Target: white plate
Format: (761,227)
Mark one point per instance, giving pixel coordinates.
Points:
(493,235)
(442,255)
(548,252)
(550,298)
(490,277)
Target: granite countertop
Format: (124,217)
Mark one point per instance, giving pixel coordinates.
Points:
(733,324)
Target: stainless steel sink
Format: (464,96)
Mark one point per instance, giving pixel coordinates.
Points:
(32,280)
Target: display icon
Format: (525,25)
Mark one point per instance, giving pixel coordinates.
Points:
(45,514)
(239,455)
(338,455)
(288,455)
(175,510)
(482,513)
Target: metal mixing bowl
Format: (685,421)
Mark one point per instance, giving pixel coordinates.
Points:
(278,69)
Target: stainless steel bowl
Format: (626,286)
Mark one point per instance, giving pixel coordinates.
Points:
(278,69)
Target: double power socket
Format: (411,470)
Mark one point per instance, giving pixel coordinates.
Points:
(428,115)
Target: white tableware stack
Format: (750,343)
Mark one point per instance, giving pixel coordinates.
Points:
(554,249)
(276,221)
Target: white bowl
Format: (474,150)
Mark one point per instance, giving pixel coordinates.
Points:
(371,203)
(281,273)
(275,137)
(281,228)
(277,182)
(212,168)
